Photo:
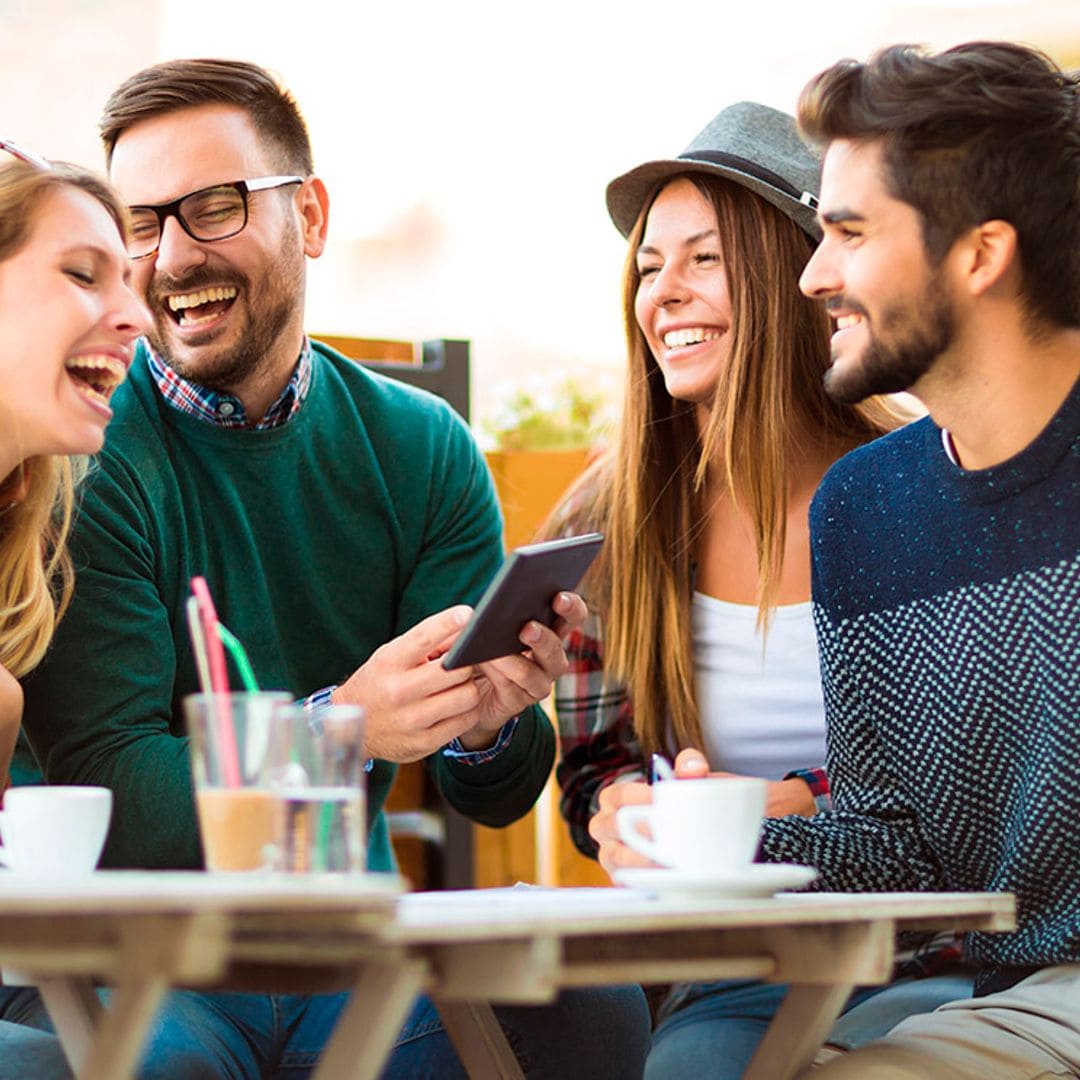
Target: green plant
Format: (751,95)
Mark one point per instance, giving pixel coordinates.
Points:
(563,417)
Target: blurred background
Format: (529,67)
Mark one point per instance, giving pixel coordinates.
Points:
(467,145)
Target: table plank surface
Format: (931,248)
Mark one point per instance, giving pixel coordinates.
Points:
(150,891)
(483,914)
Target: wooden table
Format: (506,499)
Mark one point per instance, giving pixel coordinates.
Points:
(496,949)
(143,933)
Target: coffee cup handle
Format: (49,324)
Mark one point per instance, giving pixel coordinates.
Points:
(627,819)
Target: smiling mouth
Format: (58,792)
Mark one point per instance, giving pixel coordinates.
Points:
(196,308)
(694,335)
(845,322)
(96,376)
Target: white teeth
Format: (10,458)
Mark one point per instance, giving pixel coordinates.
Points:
(96,375)
(105,370)
(203,296)
(848,320)
(675,339)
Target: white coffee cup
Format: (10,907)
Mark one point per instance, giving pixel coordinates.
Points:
(54,830)
(708,825)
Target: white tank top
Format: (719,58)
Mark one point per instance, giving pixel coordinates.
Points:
(762,712)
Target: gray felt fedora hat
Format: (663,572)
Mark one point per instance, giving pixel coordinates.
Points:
(748,144)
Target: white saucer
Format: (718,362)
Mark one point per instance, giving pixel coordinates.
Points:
(758,879)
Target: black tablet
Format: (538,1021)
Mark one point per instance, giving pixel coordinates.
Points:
(522,591)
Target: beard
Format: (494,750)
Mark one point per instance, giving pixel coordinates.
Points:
(272,301)
(912,336)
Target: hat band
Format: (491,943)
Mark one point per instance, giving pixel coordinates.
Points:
(751,168)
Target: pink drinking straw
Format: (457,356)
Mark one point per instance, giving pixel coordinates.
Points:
(219,681)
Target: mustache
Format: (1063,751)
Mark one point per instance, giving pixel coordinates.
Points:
(162,285)
(844,303)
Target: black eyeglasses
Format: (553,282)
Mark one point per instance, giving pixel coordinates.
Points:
(209,214)
(24,155)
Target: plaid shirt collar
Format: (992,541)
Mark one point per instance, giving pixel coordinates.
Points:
(224,410)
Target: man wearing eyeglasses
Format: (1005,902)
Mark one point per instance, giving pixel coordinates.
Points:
(340,519)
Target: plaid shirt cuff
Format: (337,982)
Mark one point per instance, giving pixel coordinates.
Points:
(319,700)
(455,750)
(818,783)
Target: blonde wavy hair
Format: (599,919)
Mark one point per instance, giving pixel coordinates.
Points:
(37,499)
(647,494)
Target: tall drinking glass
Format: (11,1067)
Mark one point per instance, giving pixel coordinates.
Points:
(230,739)
(316,772)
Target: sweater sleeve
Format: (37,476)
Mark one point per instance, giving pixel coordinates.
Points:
(871,841)
(100,709)
(596,734)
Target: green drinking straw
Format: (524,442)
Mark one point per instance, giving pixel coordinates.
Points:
(321,856)
(240,658)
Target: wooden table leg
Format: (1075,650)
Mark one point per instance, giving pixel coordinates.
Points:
(823,965)
(75,1012)
(797,1031)
(370,1022)
(479,1040)
(122,1029)
(101,1043)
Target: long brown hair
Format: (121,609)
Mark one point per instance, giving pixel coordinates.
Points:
(37,498)
(647,493)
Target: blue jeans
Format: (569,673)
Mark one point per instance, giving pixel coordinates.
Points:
(26,1047)
(596,1033)
(713,1029)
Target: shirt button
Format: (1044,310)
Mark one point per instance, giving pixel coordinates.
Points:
(226,408)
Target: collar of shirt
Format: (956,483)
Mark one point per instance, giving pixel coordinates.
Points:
(224,410)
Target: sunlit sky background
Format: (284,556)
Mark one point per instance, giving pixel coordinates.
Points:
(467,145)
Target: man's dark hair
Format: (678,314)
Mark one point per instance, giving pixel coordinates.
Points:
(981,131)
(182,84)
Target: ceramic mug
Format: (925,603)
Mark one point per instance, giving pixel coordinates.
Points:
(706,825)
(54,830)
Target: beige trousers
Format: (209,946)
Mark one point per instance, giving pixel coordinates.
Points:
(1029,1032)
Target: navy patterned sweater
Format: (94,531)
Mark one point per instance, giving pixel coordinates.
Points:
(948,613)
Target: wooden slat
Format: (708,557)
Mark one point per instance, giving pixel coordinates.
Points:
(371,1020)
(479,1041)
(382,350)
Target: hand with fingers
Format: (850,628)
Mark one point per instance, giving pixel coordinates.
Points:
(603,828)
(512,683)
(413,705)
(784,797)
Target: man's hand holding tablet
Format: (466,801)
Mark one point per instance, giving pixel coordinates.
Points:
(419,694)
(522,591)
(514,639)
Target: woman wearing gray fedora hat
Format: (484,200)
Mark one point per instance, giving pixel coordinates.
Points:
(701,632)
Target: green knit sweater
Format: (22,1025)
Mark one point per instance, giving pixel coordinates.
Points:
(320,540)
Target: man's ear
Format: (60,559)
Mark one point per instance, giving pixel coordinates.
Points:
(314,206)
(989,253)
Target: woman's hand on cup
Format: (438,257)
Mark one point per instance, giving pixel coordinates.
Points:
(784,796)
(692,765)
(603,828)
